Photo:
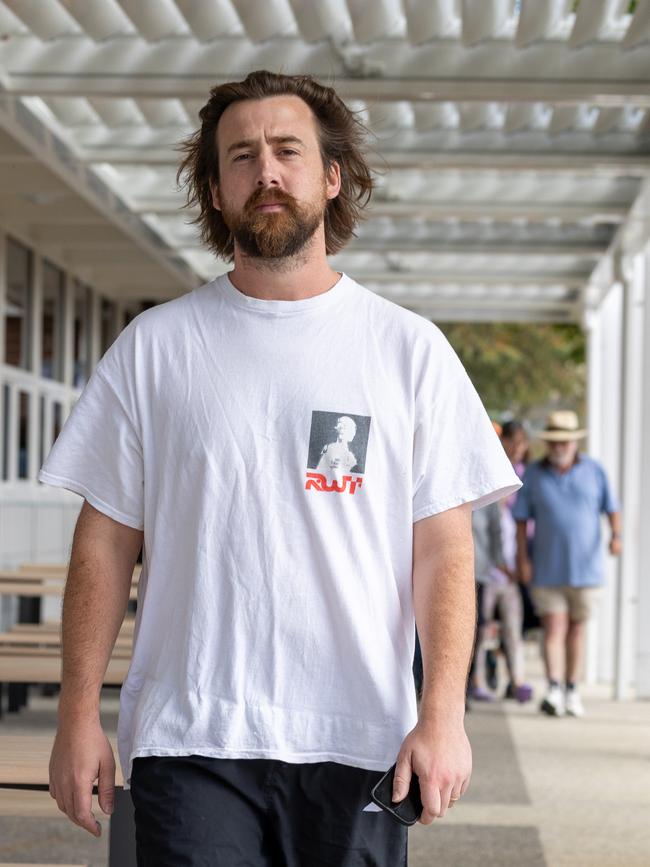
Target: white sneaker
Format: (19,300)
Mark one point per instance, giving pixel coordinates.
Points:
(553,702)
(573,703)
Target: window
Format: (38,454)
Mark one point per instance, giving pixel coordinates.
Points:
(19,305)
(53,315)
(57,416)
(41,430)
(81,337)
(23,434)
(6,399)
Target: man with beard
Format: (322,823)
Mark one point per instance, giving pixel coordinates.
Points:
(271,684)
(565,494)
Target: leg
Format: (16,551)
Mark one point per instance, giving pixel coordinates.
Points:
(574,650)
(319,819)
(486,600)
(192,811)
(582,603)
(555,633)
(511,612)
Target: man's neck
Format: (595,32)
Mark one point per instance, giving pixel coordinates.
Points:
(292,279)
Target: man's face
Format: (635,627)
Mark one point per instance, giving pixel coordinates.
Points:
(562,454)
(273,188)
(516,446)
(345,428)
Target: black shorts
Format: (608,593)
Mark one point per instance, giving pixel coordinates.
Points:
(193,811)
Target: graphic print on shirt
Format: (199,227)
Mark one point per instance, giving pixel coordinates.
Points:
(338,443)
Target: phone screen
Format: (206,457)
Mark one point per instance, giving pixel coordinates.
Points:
(407,811)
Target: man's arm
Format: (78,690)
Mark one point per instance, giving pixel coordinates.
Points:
(496,536)
(103,555)
(444,597)
(615,546)
(524,570)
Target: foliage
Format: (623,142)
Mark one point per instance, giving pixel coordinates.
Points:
(518,367)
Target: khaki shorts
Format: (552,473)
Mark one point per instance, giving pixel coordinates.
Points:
(578,602)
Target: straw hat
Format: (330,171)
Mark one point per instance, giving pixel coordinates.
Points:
(562,426)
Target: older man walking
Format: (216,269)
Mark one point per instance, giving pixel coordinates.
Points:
(565,493)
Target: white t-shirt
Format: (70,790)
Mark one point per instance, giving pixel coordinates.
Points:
(275,616)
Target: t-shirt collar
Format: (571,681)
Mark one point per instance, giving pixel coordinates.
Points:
(284,308)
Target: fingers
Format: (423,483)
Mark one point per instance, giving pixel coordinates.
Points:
(75,800)
(431,801)
(436,800)
(402,779)
(106,785)
(82,813)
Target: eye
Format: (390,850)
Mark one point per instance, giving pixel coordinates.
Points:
(241,157)
(289,152)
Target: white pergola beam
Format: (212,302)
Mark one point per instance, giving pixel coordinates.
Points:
(496,314)
(141,72)
(471,249)
(639,30)
(502,211)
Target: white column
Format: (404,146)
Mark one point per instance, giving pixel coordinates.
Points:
(36,347)
(629,493)
(95,329)
(68,330)
(604,390)
(593,327)
(643,631)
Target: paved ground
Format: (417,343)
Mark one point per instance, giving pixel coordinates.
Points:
(554,792)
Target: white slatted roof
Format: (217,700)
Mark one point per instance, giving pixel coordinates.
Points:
(516,132)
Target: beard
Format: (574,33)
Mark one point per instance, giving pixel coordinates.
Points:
(276,234)
(561,460)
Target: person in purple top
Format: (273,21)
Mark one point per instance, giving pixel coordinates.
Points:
(565,494)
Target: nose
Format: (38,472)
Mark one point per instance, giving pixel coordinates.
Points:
(267,175)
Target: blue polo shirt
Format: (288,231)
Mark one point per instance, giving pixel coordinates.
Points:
(566,508)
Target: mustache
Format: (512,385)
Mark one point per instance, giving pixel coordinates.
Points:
(264,195)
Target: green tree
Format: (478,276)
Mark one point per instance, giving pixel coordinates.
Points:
(517,367)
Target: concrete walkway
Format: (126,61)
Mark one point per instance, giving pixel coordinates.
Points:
(555,792)
(546,791)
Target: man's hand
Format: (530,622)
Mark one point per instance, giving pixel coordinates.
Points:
(524,570)
(615,547)
(81,755)
(440,754)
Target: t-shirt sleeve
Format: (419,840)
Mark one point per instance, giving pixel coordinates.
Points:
(457,455)
(98,453)
(608,503)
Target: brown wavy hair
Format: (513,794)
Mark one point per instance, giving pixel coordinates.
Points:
(341,137)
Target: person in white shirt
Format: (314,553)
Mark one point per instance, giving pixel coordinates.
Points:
(271,684)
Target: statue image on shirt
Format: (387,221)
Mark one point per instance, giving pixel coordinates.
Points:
(336,458)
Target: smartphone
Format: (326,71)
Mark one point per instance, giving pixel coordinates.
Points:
(406,811)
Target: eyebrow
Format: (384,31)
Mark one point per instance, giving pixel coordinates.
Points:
(277,139)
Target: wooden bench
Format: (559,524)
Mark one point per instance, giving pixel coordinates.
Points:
(42,587)
(43,665)
(58,568)
(35,636)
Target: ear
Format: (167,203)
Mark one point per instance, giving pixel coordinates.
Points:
(333,180)
(214,190)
